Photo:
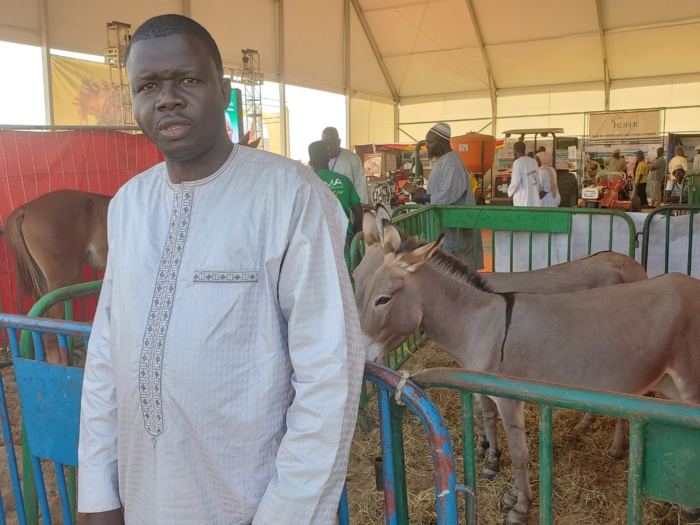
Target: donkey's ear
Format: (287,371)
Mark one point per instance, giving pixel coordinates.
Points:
(418,257)
(382,215)
(370,229)
(391,238)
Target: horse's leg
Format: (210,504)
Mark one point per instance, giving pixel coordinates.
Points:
(489,412)
(58,311)
(519,498)
(617,450)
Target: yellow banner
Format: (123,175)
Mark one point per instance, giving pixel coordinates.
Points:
(83,94)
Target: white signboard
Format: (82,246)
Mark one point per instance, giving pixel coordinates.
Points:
(624,125)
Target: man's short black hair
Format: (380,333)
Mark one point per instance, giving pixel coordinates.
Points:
(318,154)
(168,25)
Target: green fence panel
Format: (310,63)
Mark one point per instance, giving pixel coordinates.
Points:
(664,451)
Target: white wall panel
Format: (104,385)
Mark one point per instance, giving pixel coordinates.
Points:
(371,120)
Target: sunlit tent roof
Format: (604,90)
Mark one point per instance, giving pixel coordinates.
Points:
(407,62)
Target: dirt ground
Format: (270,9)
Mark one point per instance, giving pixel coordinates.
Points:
(589,487)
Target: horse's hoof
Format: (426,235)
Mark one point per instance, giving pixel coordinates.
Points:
(617,455)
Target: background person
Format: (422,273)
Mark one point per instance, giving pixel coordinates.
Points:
(676,190)
(678,161)
(657,174)
(696,160)
(641,175)
(225,362)
(524,185)
(616,162)
(449,183)
(345,162)
(548,180)
(339,185)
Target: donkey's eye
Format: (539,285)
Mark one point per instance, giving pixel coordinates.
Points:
(382,300)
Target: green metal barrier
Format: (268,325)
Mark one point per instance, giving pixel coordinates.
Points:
(664,452)
(40,308)
(668,211)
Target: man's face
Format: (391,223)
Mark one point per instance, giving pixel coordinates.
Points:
(434,144)
(640,157)
(333,142)
(679,174)
(616,154)
(178,96)
(659,152)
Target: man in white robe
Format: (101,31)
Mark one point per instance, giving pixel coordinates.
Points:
(524,184)
(225,363)
(345,162)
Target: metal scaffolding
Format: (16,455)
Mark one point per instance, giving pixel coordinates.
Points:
(118,36)
(251,77)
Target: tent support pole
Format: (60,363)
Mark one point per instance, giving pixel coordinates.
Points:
(603,47)
(493,89)
(282,83)
(46,61)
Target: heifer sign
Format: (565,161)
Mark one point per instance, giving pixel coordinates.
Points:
(624,125)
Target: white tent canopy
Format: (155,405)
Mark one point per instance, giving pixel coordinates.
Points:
(406,63)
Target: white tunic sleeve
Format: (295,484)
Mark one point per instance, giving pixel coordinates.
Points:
(98,484)
(327,357)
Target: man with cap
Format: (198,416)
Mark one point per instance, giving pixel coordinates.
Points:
(657,173)
(676,191)
(616,163)
(696,160)
(641,175)
(345,162)
(449,183)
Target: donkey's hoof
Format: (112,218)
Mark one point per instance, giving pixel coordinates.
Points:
(515,517)
(617,455)
(488,474)
(690,514)
(508,501)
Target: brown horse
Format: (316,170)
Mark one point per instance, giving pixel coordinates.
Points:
(595,271)
(539,337)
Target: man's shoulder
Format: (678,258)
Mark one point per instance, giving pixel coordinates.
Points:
(350,155)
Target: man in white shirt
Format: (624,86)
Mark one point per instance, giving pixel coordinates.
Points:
(696,160)
(225,361)
(345,162)
(678,161)
(524,184)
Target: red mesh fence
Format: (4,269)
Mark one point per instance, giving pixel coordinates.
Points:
(33,163)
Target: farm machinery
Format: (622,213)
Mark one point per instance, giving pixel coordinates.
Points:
(611,190)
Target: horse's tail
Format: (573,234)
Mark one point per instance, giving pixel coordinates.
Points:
(27,268)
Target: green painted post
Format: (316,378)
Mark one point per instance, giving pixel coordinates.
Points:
(400,496)
(29,495)
(468,446)
(545,465)
(635,486)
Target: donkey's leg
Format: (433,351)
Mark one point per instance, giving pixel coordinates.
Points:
(489,411)
(586,421)
(519,498)
(617,450)
(482,443)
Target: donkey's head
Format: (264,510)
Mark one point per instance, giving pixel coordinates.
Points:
(373,232)
(388,299)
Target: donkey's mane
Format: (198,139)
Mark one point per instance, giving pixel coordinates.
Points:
(447,263)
